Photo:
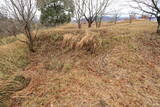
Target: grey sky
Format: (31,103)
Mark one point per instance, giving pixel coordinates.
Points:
(120,5)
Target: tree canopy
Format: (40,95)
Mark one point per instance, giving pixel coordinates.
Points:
(56,12)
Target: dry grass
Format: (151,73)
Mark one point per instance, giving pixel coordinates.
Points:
(70,40)
(89,41)
(125,71)
(13,58)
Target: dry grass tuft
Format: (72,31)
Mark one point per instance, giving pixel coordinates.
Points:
(89,41)
(70,40)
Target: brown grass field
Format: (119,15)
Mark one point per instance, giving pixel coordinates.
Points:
(113,66)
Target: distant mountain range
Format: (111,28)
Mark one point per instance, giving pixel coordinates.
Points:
(110,18)
(154,19)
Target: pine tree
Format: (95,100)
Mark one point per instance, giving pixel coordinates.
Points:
(56,12)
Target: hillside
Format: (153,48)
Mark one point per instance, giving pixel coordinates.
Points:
(115,65)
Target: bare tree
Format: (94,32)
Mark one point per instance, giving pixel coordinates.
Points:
(116,15)
(99,16)
(78,12)
(99,20)
(151,7)
(132,16)
(93,9)
(22,14)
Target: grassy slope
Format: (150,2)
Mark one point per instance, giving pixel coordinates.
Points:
(125,71)
(13,59)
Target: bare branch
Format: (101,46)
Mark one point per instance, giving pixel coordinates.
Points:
(22,12)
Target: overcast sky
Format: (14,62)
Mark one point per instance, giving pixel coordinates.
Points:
(120,5)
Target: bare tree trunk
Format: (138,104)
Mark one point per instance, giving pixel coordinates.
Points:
(130,20)
(79,25)
(94,8)
(98,22)
(115,20)
(30,38)
(158,27)
(89,24)
(23,13)
(30,46)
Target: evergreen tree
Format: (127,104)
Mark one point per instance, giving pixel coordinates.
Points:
(56,12)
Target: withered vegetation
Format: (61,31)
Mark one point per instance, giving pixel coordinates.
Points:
(115,65)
